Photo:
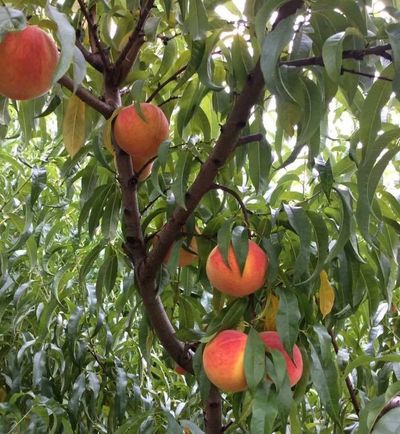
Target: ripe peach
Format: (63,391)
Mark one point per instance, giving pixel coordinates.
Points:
(140,137)
(294,365)
(223,360)
(28,60)
(229,280)
(138,163)
(187,254)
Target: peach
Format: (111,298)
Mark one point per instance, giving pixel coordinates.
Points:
(294,365)
(229,280)
(223,360)
(187,254)
(141,137)
(138,163)
(28,60)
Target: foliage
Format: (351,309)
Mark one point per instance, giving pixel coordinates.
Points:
(318,190)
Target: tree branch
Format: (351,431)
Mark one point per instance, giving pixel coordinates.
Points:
(129,53)
(349,383)
(212,412)
(250,138)
(162,85)
(86,96)
(380,50)
(224,146)
(94,37)
(91,58)
(237,197)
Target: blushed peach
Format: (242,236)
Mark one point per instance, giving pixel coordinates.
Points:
(294,365)
(223,360)
(229,280)
(28,60)
(139,136)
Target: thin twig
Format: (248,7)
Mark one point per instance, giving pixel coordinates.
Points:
(365,74)
(173,77)
(233,193)
(348,381)
(380,50)
(250,138)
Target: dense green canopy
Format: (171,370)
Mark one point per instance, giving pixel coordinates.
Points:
(284,127)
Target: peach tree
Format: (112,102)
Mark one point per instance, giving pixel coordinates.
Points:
(199,216)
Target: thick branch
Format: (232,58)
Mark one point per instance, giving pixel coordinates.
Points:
(224,146)
(212,412)
(349,384)
(86,96)
(380,50)
(129,53)
(91,58)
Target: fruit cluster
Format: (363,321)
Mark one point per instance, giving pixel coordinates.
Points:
(223,356)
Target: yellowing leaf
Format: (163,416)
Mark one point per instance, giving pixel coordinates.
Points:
(326,294)
(107,131)
(270,311)
(74,125)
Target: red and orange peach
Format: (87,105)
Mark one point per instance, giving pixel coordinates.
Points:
(28,60)
(294,365)
(223,360)
(229,280)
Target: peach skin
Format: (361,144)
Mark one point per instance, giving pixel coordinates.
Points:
(229,280)
(294,366)
(223,360)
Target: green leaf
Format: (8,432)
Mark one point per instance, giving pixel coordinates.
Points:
(87,262)
(393,32)
(367,182)
(264,410)
(274,43)
(287,318)
(39,178)
(370,117)
(300,222)
(325,174)
(121,393)
(321,233)
(242,63)
(332,52)
(66,36)
(240,244)
(182,171)
(311,110)
(224,239)
(254,359)
(388,423)
(75,399)
(263,15)
(260,160)
(345,224)
(11,20)
(324,372)
(78,68)
(371,411)
(197,20)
